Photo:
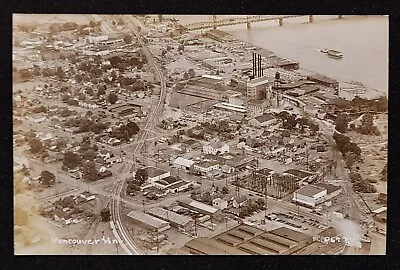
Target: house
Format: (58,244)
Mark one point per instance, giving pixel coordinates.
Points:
(219,203)
(206,166)
(216,147)
(155,174)
(60,215)
(264,120)
(310,195)
(87,196)
(227,169)
(183,163)
(239,201)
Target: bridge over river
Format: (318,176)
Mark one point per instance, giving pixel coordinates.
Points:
(243,20)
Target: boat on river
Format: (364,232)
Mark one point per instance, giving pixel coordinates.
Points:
(335,54)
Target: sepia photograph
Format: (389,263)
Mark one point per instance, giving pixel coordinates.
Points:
(163,134)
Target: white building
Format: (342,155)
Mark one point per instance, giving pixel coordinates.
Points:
(155,174)
(213,148)
(148,221)
(183,163)
(96,39)
(87,196)
(220,203)
(310,195)
(206,166)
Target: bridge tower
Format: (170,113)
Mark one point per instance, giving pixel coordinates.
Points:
(248,22)
(310,18)
(215,21)
(340,16)
(281,22)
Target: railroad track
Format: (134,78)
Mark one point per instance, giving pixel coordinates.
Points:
(116,224)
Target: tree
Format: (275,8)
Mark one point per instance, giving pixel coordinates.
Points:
(115,60)
(36,146)
(382,104)
(224,190)
(92,24)
(47,179)
(206,197)
(128,39)
(384,173)
(186,76)
(112,98)
(341,140)
(60,73)
(101,90)
(71,160)
(351,147)
(341,123)
(191,73)
(132,128)
(141,176)
(350,159)
(89,171)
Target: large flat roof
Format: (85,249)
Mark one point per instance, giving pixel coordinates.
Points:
(154,172)
(147,219)
(213,247)
(170,216)
(310,190)
(203,206)
(290,234)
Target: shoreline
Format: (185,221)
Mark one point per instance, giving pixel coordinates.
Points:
(370,93)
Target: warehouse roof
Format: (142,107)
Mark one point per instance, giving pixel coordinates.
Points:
(154,172)
(183,162)
(147,219)
(310,190)
(290,234)
(169,216)
(203,206)
(212,247)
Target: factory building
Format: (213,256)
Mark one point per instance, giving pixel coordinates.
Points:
(148,221)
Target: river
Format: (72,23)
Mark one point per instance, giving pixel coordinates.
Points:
(363,40)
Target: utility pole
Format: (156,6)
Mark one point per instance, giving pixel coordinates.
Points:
(266,197)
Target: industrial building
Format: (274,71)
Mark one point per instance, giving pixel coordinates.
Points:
(176,220)
(310,195)
(199,207)
(250,240)
(155,174)
(183,163)
(323,80)
(148,221)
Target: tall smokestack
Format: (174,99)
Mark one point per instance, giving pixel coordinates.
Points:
(259,65)
(254,65)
